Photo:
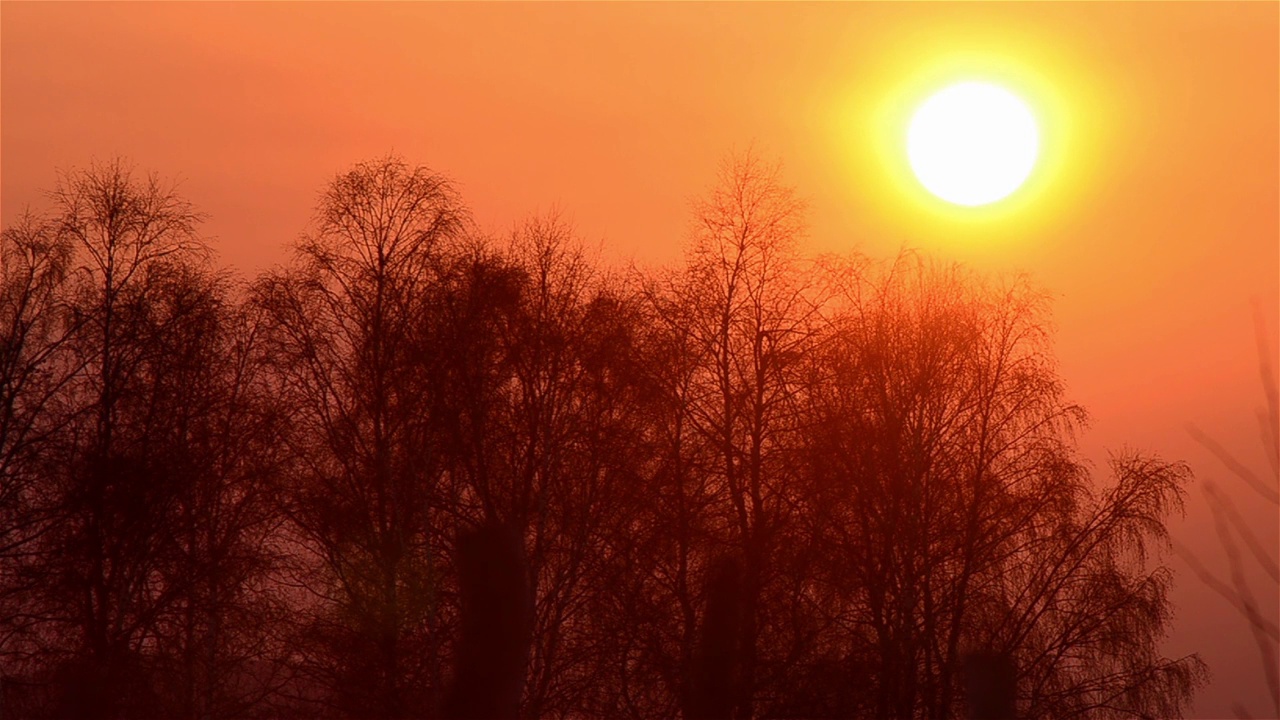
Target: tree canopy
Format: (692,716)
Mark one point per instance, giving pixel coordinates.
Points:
(418,464)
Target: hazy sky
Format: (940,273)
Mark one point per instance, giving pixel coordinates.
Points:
(1158,224)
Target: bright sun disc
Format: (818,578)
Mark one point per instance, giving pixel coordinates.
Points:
(972,143)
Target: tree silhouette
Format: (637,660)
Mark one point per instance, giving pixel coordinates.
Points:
(135,310)
(35,369)
(745,307)
(420,471)
(344,340)
(945,482)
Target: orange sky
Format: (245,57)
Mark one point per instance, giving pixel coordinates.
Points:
(1156,230)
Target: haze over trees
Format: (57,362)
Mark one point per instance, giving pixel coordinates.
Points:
(756,484)
(1254,572)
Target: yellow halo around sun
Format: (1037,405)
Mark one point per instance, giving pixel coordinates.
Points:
(972,143)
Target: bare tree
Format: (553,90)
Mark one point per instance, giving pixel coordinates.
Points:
(100,595)
(539,392)
(749,315)
(946,487)
(135,456)
(215,652)
(35,369)
(672,533)
(345,343)
(756,485)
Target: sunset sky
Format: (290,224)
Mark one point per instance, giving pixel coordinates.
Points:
(1153,221)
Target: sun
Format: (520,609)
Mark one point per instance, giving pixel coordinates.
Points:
(972,143)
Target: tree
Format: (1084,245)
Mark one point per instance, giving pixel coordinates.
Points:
(745,311)
(944,484)
(35,368)
(128,234)
(540,383)
(418,458)
(137,451)
(344,338)
(100,596)
(572,452)
(216,652)
(673,531)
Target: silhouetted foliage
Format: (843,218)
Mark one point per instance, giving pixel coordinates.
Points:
(423,472)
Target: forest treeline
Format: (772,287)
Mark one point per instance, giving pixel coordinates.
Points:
(755,484)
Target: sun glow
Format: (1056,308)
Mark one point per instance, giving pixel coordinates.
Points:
(972,143)
(1054,85)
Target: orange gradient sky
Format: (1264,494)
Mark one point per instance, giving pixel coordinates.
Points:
(1153,221)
